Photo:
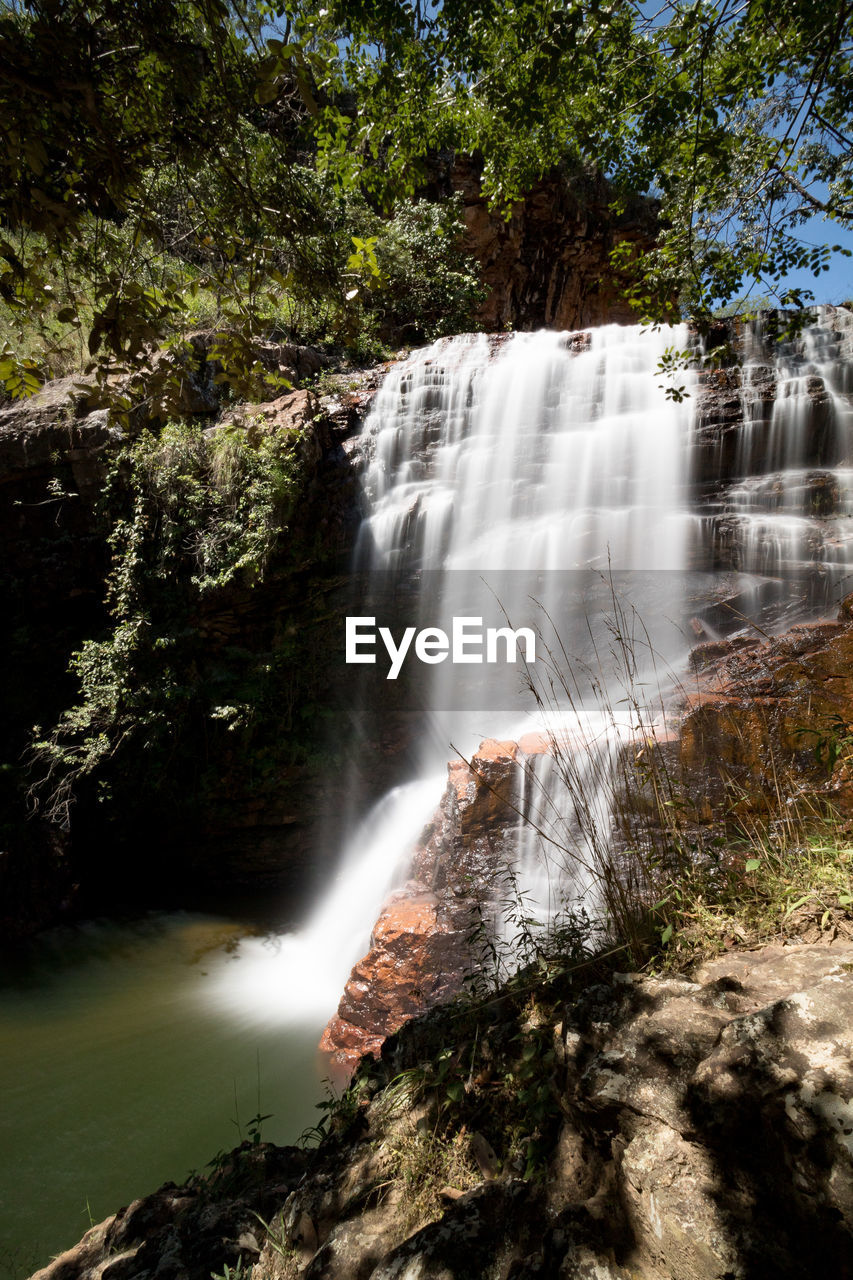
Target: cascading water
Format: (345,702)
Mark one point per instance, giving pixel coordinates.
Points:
(784,514)
(297,976)
(531,459)
(525,459)
(536,455)
(532,455)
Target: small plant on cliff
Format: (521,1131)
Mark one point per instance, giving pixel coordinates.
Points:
(228,1272)
(831,741)
(426,1168)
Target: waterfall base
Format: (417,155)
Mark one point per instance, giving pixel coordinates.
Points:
(758,725)
(693,1128)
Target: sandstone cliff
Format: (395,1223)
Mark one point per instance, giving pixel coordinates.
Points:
(548,265)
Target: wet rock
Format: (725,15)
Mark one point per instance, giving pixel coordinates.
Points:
(424,941)
(412,964)
(765,712)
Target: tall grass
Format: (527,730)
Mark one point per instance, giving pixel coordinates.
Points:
(638,859)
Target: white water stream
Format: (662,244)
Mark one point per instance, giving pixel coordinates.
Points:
(532,458)
(790,504)
(523,455)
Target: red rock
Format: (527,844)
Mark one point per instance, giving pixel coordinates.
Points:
(492,751)
(421,948)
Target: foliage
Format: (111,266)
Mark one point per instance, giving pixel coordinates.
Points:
(158,169)
(736,116)
(430,289)
(769,879)
(186,158)
(97,100)
(338,1111)
(424,1165)
(228,1272)
(194,513)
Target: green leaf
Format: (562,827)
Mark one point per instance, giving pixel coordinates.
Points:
(752,864)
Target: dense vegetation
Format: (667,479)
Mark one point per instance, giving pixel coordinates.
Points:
(160,182)
(188,516)
(239,162)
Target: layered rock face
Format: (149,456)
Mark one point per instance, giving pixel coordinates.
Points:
(769,718)
(548,265)
(703,1132)
(56,451)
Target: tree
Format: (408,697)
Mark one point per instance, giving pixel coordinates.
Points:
(737,115)
(141,140)
(138,164)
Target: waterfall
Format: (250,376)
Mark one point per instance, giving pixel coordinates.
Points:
(536,453)
(522,470)
(539,474)
(784,514)
(538,465)
(294,977)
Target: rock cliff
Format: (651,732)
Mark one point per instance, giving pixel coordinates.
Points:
(548,265)
(56,452)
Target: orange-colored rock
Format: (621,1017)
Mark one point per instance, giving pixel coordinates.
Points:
(460,778)
(762,708)
(413,963)
(493,751)
(421,945)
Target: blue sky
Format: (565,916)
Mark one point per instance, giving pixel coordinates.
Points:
(835,285)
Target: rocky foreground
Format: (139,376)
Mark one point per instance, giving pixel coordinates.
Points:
(696,1128)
